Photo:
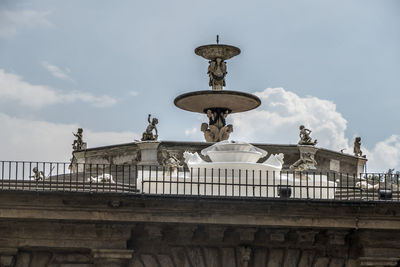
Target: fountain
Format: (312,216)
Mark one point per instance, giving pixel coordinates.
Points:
(217,103)
(228,168)
(232,157)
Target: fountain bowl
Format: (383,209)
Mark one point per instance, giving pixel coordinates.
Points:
(234,156)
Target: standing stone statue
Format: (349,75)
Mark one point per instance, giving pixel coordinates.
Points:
(148,134)
(217,73)
(78,143)
(357,147)
(37,175)
(305,138)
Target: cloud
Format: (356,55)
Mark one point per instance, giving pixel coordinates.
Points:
(12,21)
(385,155)
(281,113)
(22,139)
(12,87)
(56,71)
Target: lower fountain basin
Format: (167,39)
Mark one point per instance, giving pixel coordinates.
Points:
(234,156)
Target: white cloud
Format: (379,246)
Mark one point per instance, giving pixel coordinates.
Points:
(12,87)
(281,113)
(56,71)
(385,155)
(12,21)
(22,139)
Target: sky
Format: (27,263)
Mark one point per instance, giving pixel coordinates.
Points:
(333,66)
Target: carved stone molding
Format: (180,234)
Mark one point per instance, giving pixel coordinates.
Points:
(378,261)
(111,257)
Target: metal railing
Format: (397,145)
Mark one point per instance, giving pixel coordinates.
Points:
(222,183)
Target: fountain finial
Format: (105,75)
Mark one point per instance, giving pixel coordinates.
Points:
(217,54)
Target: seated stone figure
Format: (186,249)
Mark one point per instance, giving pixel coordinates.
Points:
(305,138)
(148,134)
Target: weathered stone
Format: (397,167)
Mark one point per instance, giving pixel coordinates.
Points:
(6,260)
(23,259)
(306,258)
(195,255)
(260,257)
(179,256)
(40,258)
(212,256)
(228,257)
(165,260)
(378,261)
(321,262)
(149,260)
(291,258)
(337,262)
(275,257)
(111,257)
(278,235)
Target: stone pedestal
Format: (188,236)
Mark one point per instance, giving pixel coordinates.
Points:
(148,152)
(307,159)
(111,257)
(361,165)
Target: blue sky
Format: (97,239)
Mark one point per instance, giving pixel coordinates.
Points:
(105,65)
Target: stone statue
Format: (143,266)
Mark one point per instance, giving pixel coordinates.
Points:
(217,73)
(148,134)
(306,162)
(357,147)
(37,175)
(216,130)
(78,143)
(305,138)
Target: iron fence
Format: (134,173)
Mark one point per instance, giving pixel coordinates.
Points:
(223,183)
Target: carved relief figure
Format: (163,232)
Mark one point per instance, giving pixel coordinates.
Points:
(306,162)
(245,256)
(305,138)
(357,147)
(216,130)
(217,73)
(170,162)
(148,134)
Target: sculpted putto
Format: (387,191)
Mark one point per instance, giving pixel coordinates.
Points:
(305,138)
(357,147)
(78,143)
(217,73)
(148,134)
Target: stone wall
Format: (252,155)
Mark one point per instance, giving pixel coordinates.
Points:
(135,153)
(82,230)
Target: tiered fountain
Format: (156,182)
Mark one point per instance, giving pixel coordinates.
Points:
(233,166)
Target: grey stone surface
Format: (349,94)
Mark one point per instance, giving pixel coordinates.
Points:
(130,154)
(54,230)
